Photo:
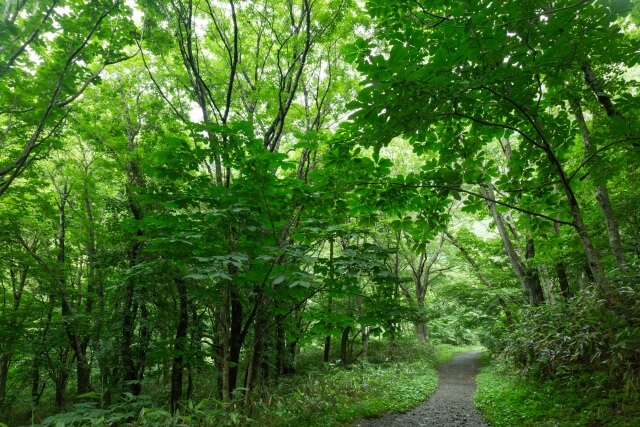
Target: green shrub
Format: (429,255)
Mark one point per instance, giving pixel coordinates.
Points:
(507,399)
(582,338)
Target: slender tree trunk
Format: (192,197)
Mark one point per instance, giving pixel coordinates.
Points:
(364,330)
(236,338)
(327,339)
(36,390)
(18,282)
(593,258)
(177,371)
(528,283)
(61,385)
(128,328)
(344,347)
(4,373)
(78,345)
(223,332)
(281,353)
(327,349)
(289,363)
(257,350)
(563,280)
(132,370)
(613,229)
(536,296)
(602,193)
(83,370)
(290,366)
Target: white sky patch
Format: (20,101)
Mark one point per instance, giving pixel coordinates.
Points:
(195,113)
(138,15)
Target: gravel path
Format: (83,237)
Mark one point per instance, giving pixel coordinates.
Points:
(450,405)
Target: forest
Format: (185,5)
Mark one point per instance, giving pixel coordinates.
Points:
(287,212)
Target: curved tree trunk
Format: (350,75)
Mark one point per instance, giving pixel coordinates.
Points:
(531,286)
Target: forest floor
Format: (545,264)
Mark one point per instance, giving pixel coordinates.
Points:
(450,405)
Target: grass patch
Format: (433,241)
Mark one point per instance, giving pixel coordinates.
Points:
(509,400)
(394,380)
(336,397)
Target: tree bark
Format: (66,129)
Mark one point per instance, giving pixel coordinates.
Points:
(602,193)
(563,280)
(76,341)
(4,373)
(593,258)
(327,339)
(344,347)
(177,371)
(532,277)
(18,282)
(528,282)
(281,353)
(133,365)
(236,339)
(421,331)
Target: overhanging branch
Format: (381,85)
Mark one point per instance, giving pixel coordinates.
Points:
(472,193)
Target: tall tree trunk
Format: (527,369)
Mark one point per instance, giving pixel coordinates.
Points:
(281,353)
(18,282)
(327,339)
(60,385)
(327,349)
(602,193)
(223,332)
(289,367)
(528,283)
(61,377)
(77,343)
(36,389)
(563,280)
(579,225)
(533,277)
(236,339)
(364,330)
(177,371)
(344,347)
(132,370)
(4,373)
(257,350)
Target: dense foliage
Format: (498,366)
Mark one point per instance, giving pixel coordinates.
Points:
(197,195)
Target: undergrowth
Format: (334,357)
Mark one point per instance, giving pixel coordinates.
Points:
(393,379)
(576,363)
(507,399)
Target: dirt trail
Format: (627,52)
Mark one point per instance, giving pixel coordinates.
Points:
(450,405)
